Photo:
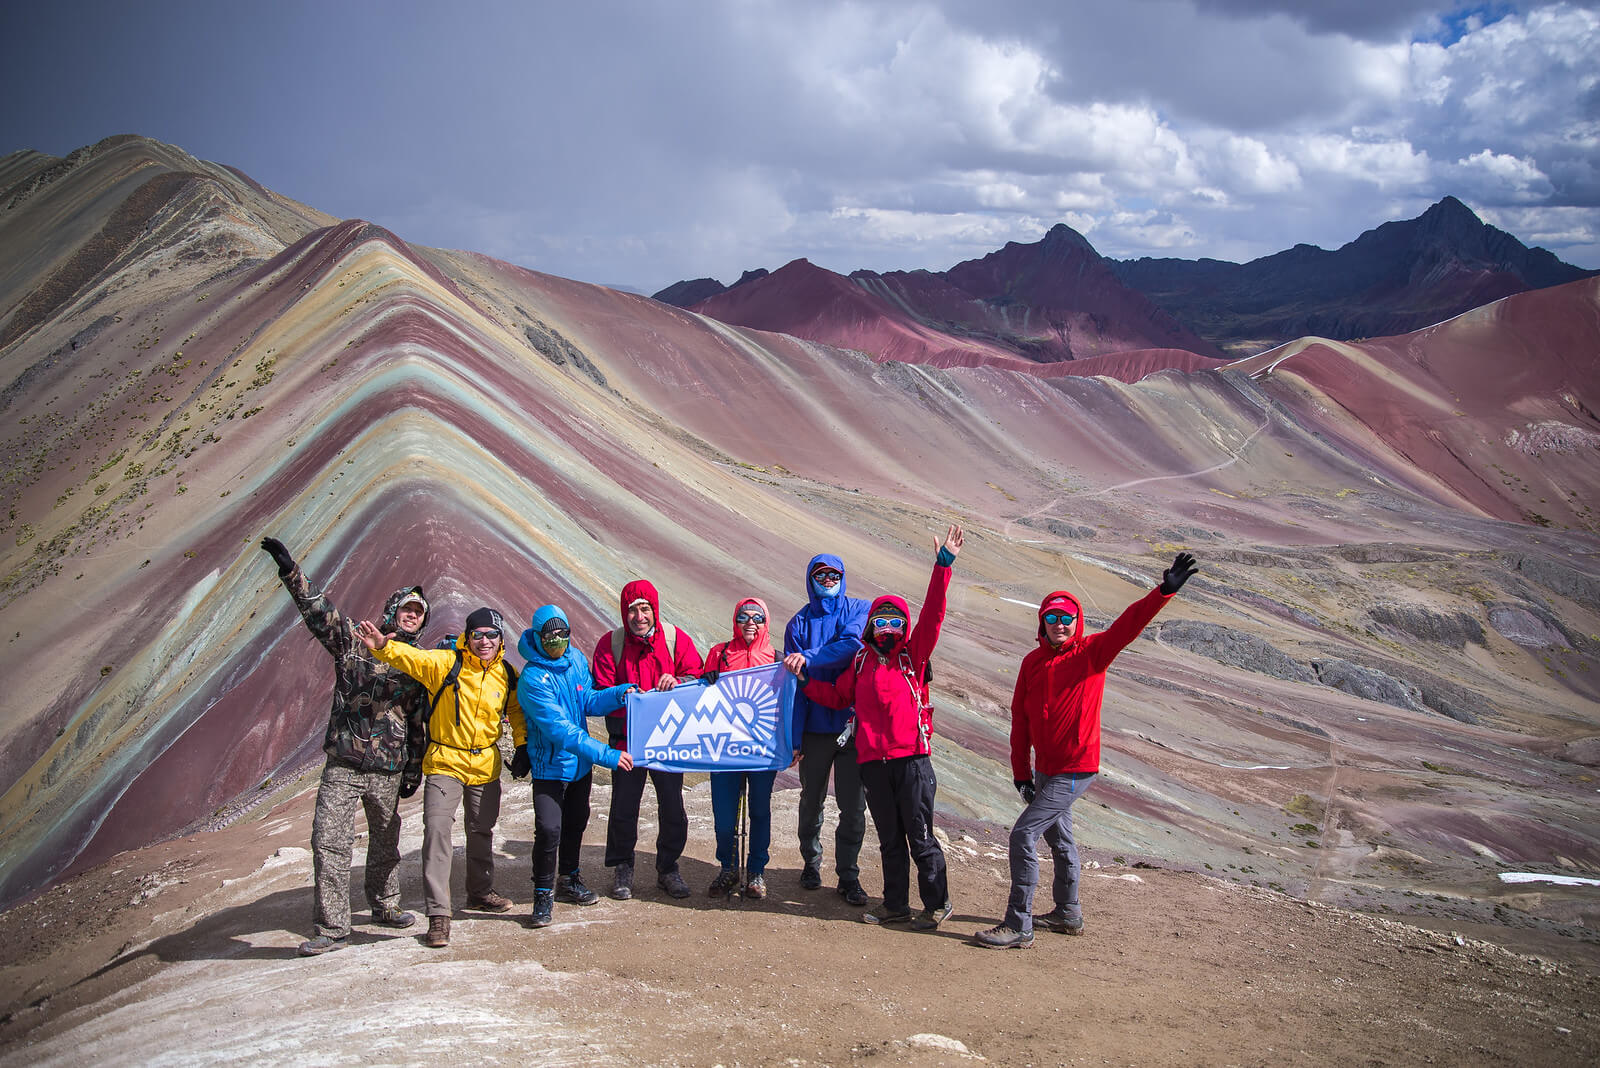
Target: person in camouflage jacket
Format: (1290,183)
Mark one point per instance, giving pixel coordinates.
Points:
(377,731)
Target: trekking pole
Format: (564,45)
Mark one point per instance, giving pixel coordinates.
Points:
(744,819)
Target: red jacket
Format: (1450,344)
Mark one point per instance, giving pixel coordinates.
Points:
(1055,709)
(737,653)
(643,661)
(889,718)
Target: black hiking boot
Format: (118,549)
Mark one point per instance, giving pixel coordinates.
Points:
(543,908)
(571,891)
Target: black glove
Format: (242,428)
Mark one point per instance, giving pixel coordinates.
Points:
(280,556)
(520,764)
(1173,578)
(708,677)
(1025,790)
(409,782)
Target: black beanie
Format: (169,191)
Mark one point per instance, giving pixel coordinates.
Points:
(484,617)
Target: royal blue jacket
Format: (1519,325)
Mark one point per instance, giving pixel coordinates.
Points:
(828,631)
(556,696)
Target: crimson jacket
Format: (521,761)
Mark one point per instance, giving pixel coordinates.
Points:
(643,660)
(889,718)
(1055,709)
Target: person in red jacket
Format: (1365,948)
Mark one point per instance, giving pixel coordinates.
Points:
(887,684)
(651,655)
(749,647)
(1055,747)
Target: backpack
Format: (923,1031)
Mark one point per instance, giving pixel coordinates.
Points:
(919,690)
(452,679)
(669,633)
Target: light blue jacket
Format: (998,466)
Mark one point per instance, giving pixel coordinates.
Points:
(556,696)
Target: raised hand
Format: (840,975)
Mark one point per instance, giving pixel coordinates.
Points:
(371,636)
(951,547)
(1173,578)
(280,556)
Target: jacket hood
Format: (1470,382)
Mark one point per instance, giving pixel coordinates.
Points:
(737,652)
(819,603)
(887,600)
(531,649)
(391,608)
(1072,603)
(636,590)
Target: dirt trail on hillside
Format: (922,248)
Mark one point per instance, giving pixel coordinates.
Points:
(184,953)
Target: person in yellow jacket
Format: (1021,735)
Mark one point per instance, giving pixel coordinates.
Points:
(462,761)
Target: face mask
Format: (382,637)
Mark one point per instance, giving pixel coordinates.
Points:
(826,592)
(554,641)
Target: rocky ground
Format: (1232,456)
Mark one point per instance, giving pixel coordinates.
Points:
(184,953)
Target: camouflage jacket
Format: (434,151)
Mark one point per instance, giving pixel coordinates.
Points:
(379,716)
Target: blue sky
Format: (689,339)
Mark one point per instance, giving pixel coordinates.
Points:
(636,143)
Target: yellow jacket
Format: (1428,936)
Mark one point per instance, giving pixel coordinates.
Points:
(462,740)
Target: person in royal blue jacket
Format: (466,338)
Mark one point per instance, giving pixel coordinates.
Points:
(821,640)
(556,695)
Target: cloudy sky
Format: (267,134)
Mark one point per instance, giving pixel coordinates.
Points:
(638,142)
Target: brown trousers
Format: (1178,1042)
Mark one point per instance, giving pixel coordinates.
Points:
(441,795)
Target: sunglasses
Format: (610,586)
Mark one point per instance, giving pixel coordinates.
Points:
(888,623)
(482,634)
(1059,618)
(827,578)
(750,617)
(555,635)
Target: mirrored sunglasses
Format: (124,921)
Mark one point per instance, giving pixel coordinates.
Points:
(750,617)
(1061,618)
(827,577)
(555,633)
(483,633)
(888,623)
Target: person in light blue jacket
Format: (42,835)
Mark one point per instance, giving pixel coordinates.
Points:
(821,640)
(556,695)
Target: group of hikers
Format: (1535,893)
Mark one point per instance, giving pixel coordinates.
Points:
(406,718)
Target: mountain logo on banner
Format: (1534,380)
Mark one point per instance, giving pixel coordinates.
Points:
(737,715)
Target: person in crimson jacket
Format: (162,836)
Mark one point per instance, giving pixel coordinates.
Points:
(887,684)
(651,655)
(749,647)
(1055,747)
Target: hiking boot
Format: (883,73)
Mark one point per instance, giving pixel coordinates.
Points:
(811,878)
(930,919)
(756,888)
(726,882)
(673,884)
(853,893)
(1059,922)
(622,882)
(543,908)
(570,889)
(438,935)
(320,945)
(392,917)
(884,915)
(1002,937)
(489,902)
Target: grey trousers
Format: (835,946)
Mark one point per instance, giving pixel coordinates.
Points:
(333,832)
(819,755)
(1050,815)
(441,794)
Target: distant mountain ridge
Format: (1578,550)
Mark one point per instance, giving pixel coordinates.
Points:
(1058,300)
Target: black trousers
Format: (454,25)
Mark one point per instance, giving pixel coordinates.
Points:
(900,797)
(560,815)
(622,832)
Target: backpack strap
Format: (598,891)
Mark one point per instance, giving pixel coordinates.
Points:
(452,679)
(669,634)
